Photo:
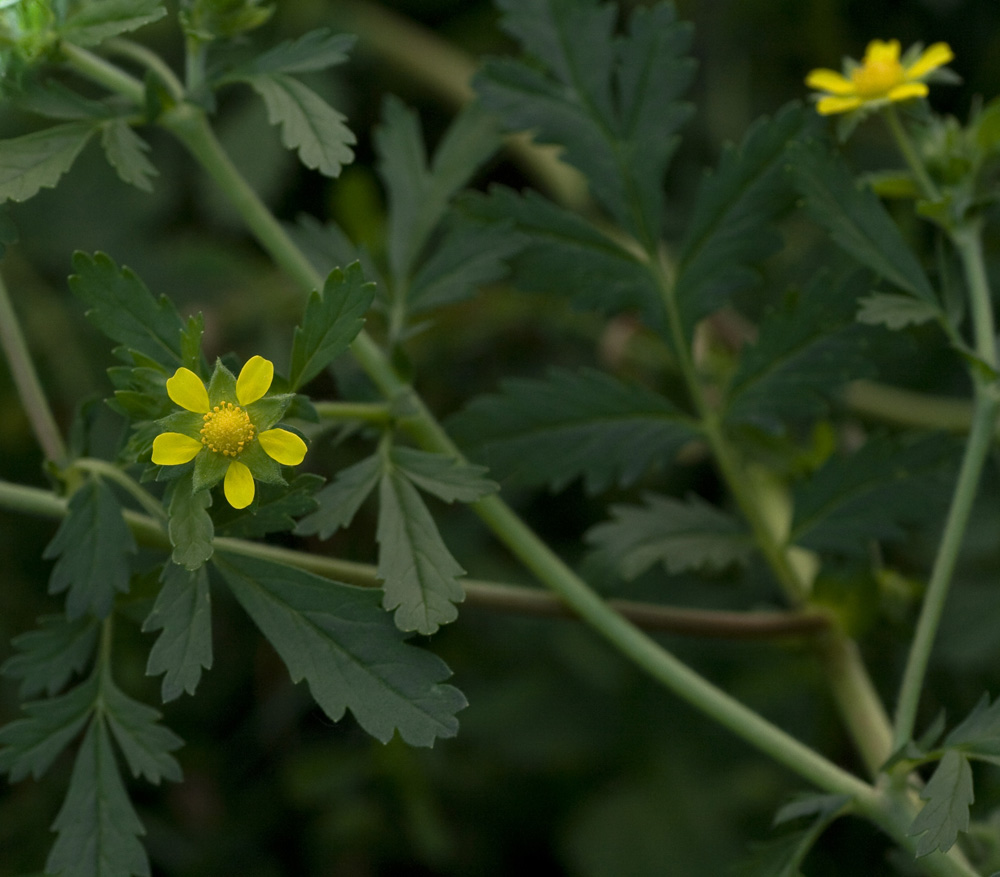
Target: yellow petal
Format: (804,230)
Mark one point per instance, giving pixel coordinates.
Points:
(238,485)
(284,446)
(880,52)
(174,448)
(254,380)
(908,90)
(933,57)
(830,105)
(830,81)
(186,389)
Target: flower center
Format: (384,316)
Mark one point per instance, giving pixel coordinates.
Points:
(877,78)
(227,430)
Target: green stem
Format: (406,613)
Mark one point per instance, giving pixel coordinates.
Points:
(148,59)
(104,73)
(907,407)
(29,387)
(102,468)
(968,242)
(926,184)
(378,413)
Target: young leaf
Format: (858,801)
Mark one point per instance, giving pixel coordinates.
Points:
(679,534)
(48,656)
(30,745)
(339,501)
(339,640)
(731,231)
(98,830)
(419,575)
(895,311)
(37,161)
(856,219)
(190,529)
(948,795)
(126,152)
(569,425)
(277,509)
(331,322)
(308,123)
(611,103)
(854,500)
(95,21)
(447,478)
(183,612)
(145,743)
(978,734)
(92,547)
(121,306)
(311,52)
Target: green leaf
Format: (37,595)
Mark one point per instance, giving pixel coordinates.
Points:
(308,124)
(680,534)
(569,425)
(183,612)
(855,499)
(98,830)
(191,355)
(978,734)
(276,510)
(855,218)
(610,102)
(444,476)
(95,21)
(340,500)
(805,351)
(121,306)
(48,656)
(126,152)
(339,640)
(190,528)
(145,743)
(896,311)
(311,52)
(419,574)
(732,229)
(331,322)
(92,545)
(37,161)
(948,795)
(30,745)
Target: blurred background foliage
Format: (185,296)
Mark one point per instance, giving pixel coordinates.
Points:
(568,761)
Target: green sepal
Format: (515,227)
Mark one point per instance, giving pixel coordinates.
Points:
(263,467)
(221,386)
(268,410)
(209,469)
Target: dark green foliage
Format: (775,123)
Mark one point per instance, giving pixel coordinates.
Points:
(49,655)
(895,311)
(570,425)
(190,528)
(126,152)
(978,734)
(95,21)
(948,795)
(340,500)
(311,52)
(275,509)
(145,743)
(447,478)
(38,160)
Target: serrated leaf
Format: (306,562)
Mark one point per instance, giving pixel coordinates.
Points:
(610,102)
(948,795)
(38,160)
(277,509)
(95,21)
(805,351)
(121,306)
(978,734)
(447,478)
(145,743)
(419,575)
(54,100)
(331,322)
(309,124)
(340,500)
(855,218)
(327,247)
(92,548)
(183,612)
(572,424)
(731,231)
(30,745)
(49,655)
(867,496)
(680,534)
(126,152)
(190,526)
(311,52)
(98,830)
(896,311)
(339,640)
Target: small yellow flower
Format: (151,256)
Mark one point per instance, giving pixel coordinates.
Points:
(879,79)
(228,430)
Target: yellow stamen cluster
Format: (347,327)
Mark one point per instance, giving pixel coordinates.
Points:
(227,430)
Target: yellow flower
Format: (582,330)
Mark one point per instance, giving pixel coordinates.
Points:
(879,79)
(228,429)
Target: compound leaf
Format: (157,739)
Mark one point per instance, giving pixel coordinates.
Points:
(145,743)
(948,795)
(126,152)
(978,734)
(447,478)
(309,53)
(352,656)
(49,655)
(339,501)
(95,21)
(38,160)
(276,509)
(572,424)
(92,547)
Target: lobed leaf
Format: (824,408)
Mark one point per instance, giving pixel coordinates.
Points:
(447,478)
(978,734)
(314,51)
(339,501)
(126,152)
(339,640)
(95,21)
(190,526)
(145,743)
(38,160)
(948,794)
(277,510)
(48,656)
(895,311)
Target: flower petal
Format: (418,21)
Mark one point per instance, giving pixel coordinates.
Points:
(284,446)
(238,485)
(933,57)
(830,105)
(908,90)
(186,389)
(174,448)
(254,380)
(830,81)
(880,52)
